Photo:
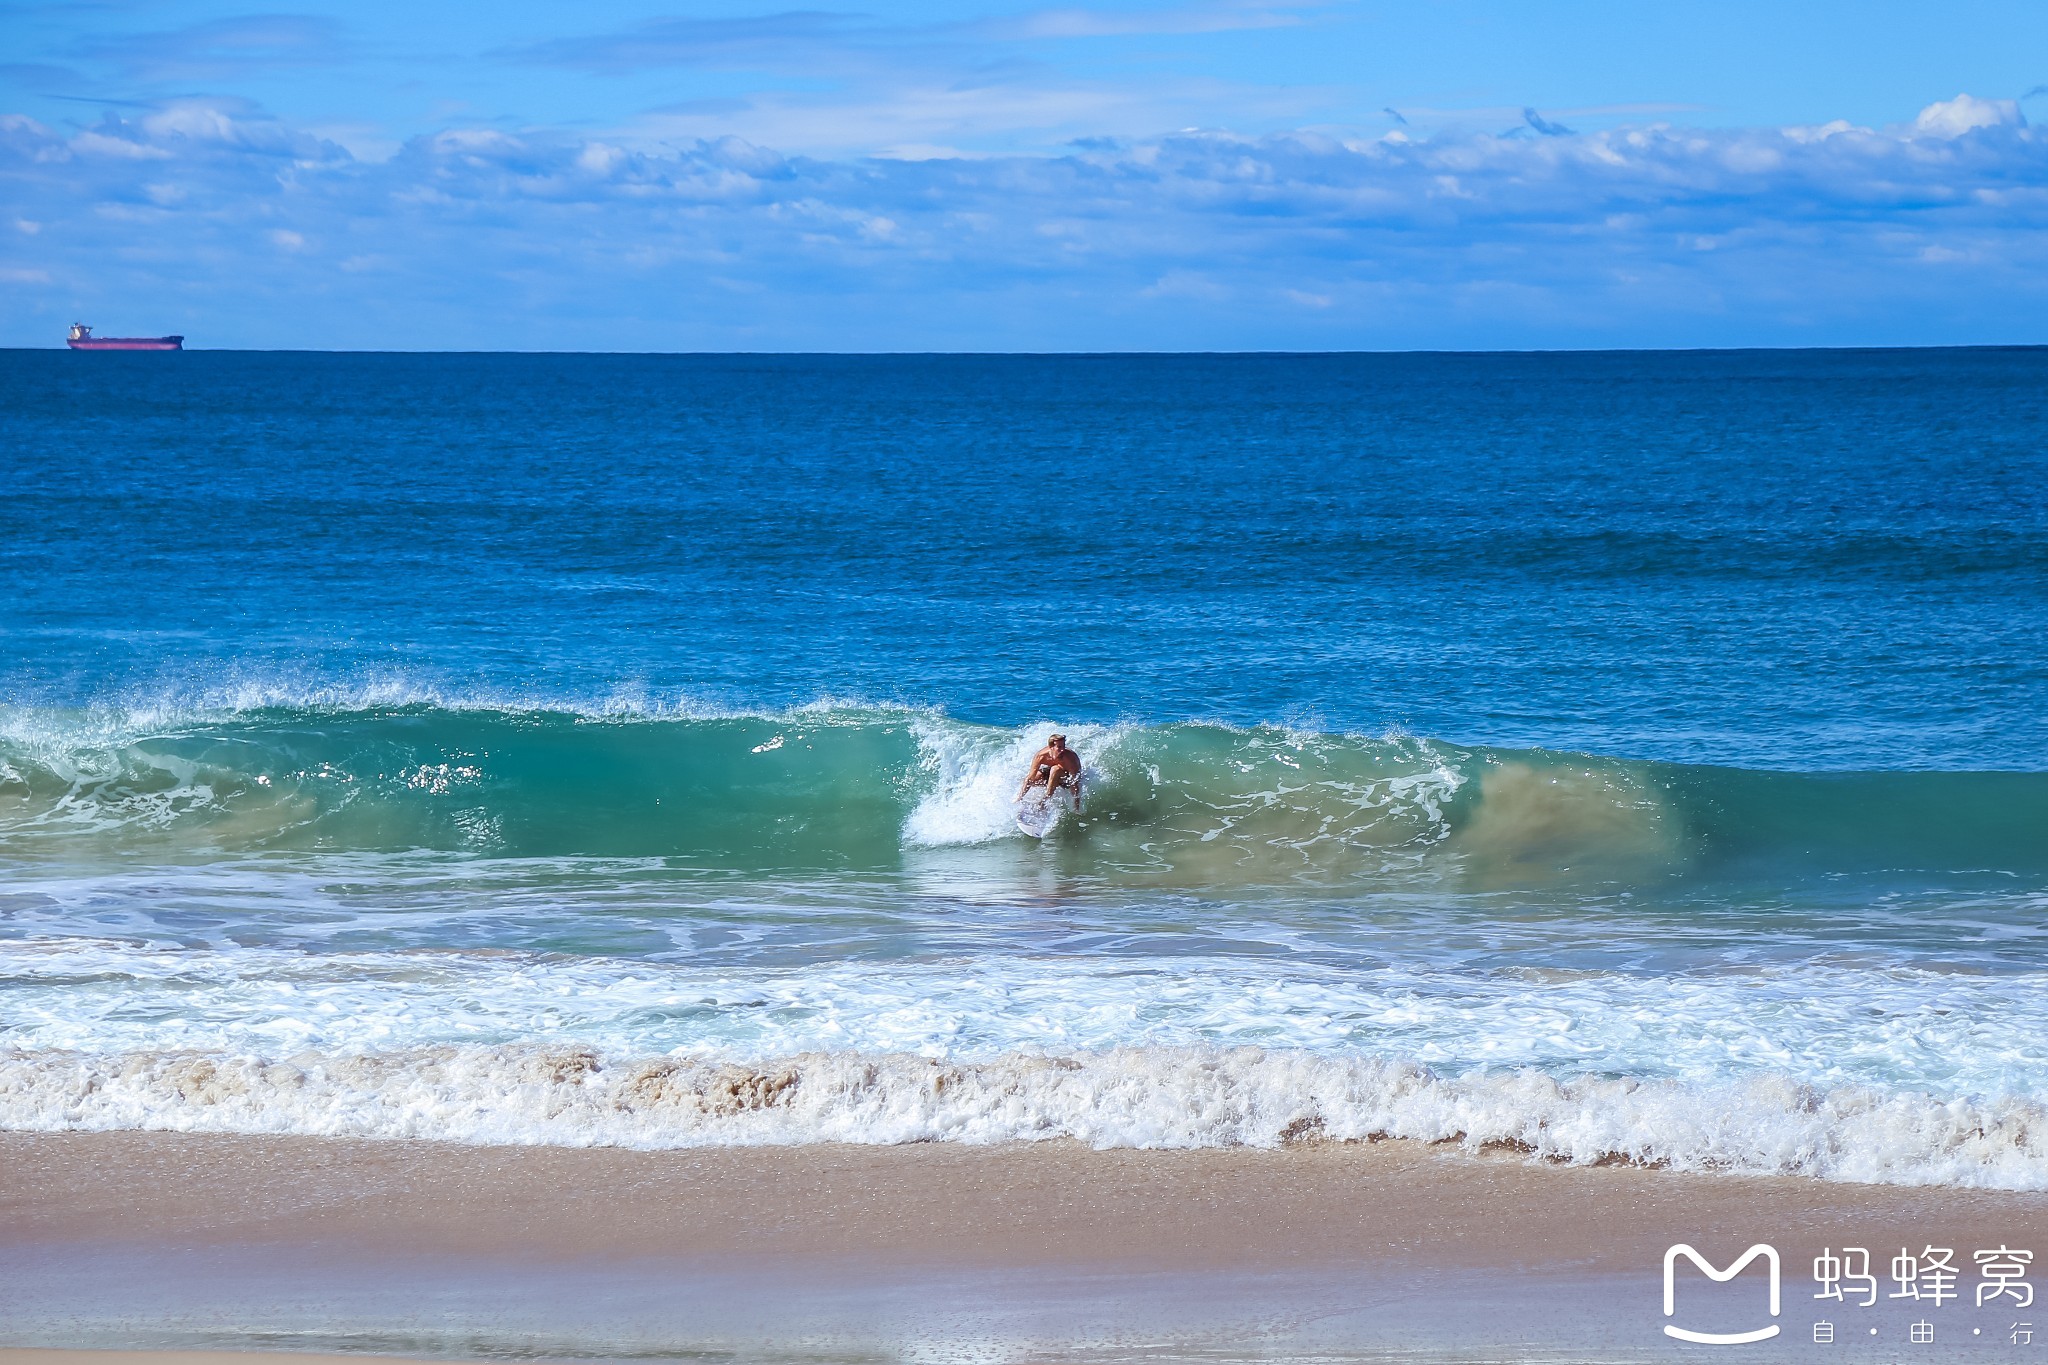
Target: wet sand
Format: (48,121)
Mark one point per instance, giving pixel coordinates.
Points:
(1046,1251)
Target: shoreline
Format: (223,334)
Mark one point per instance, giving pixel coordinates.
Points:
(1053,1250)
(1163,1097)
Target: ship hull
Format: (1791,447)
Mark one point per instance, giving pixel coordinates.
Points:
(129,344)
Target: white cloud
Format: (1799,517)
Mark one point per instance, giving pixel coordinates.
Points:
(600,158)
(1205,238)
(1953,118)
(99,144)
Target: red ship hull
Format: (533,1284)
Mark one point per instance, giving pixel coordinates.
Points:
(129,344)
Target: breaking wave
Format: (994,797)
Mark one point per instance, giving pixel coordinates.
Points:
(861,787)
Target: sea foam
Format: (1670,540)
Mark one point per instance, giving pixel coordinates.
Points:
(1841,1072)
(1126,1097)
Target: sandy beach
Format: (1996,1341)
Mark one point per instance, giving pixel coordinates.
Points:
(1051,1251)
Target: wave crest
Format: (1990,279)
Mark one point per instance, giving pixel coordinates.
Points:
(836,787)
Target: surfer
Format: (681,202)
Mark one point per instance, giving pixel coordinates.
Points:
(1055,767)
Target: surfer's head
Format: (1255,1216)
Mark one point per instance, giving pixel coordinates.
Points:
(1056,741)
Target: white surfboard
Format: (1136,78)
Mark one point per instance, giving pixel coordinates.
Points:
(1037,813)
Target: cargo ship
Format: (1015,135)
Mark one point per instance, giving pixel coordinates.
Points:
(82,339)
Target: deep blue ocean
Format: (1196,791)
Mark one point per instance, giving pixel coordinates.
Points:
(1634,755)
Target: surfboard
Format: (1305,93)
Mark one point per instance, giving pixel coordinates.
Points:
(1037,813)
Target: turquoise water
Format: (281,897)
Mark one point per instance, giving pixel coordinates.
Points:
(1631,754)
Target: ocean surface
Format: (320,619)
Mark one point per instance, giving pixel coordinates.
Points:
(1613,756)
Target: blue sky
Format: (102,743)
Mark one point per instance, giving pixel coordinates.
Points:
(1103,176)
